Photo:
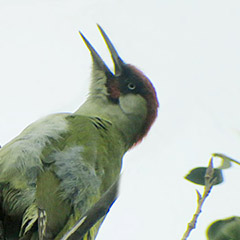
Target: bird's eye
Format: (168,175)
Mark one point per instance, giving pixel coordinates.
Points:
(131,86)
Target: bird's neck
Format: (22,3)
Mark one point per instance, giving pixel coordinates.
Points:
(127,126)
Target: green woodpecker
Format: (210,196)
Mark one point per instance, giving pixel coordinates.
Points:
(61,165)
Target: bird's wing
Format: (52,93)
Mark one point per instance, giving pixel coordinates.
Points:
(56,169)
(76,177)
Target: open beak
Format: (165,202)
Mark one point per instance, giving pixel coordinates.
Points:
(118,63)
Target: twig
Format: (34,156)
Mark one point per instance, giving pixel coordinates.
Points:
(209,182)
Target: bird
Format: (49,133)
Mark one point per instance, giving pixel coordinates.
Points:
(60,166)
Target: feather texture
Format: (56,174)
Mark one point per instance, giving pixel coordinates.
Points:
(62,166)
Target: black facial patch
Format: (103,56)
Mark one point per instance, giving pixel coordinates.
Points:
(129,82)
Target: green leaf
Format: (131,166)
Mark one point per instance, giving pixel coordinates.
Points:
(225,229)
(226,161)
(197,175)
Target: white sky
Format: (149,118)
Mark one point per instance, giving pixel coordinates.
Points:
(190,51)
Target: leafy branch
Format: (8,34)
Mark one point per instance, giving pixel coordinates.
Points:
(210,180)
(208,177)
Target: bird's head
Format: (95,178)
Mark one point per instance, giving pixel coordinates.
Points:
(126,95)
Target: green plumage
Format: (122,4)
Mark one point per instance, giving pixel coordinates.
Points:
(76,167)
(62,166)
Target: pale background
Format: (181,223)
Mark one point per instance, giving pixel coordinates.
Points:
(189,49)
